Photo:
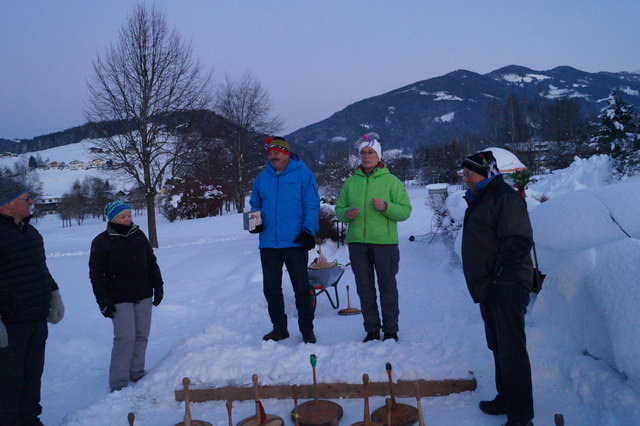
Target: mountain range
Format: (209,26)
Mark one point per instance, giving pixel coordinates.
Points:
(439,109)
(428,112)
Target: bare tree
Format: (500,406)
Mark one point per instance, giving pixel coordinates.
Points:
(147,74)
(247,106)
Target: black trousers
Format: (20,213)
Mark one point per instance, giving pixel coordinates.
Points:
(296,259)
(503,313)
(21,367)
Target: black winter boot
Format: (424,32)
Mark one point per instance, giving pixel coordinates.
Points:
(388,336)
(372,335)
(278,333)
(308,336)
(494,407)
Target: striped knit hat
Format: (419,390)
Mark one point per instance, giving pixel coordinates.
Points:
(112,209)
(10,190)
(483,163)
(278,143)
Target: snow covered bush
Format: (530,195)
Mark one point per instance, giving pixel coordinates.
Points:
(191,199)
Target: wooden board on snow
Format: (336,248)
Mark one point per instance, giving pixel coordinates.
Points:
(402,389)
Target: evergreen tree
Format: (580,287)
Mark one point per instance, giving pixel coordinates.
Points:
(616,135)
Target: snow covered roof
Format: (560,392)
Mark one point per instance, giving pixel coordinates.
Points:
(507,160)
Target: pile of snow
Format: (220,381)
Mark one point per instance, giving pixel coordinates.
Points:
(588,244)
(581,173)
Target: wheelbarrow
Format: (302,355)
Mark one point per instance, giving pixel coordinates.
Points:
(323,279)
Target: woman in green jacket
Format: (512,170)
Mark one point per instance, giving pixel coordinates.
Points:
(372,202)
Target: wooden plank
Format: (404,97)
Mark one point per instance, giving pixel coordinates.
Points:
(402,389)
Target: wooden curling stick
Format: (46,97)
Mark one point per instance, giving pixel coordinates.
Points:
(187,409)
(296,416)
(314,360)
(393,397)
(229,406)
(367,415)
(254,378)
(131,417)
(389,409)
(420,417)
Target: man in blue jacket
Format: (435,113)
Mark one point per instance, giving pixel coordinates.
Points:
(286,194)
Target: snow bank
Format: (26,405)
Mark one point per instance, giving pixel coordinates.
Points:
(587,244)
(593,296)
(582,173)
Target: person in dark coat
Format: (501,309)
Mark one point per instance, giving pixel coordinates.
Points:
(125,277)
(29,297)
(496,257)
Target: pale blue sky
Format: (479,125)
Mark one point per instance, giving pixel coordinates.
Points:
(313,57)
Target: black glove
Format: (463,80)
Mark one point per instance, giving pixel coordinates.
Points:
(306,240)
(157,297)
(257,229)
(107,309)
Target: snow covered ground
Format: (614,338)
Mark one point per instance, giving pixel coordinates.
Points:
(210,323)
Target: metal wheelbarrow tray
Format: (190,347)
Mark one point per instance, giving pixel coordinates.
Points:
(324,278)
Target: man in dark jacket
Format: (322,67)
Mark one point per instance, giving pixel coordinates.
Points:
(286,195)
(496,258)
(29,297)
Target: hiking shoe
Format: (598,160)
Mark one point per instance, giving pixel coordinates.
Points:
(494,407)
(278,333)
(388,336)
(372,335)
(308,336)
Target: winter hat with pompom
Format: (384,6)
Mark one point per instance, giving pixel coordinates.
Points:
(371,140)
(278,143)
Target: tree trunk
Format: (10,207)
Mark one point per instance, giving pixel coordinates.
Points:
(151,219)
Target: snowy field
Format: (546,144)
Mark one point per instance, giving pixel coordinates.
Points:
(210,323)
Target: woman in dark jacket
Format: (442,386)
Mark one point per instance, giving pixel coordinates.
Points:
(125,276)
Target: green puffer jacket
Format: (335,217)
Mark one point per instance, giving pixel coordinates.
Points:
(370,225)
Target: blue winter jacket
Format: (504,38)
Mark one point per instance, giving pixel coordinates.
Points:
(288,204)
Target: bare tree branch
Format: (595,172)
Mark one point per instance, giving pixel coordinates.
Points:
(247,106)
(149,73)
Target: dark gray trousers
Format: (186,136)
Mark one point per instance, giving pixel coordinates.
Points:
(21,367)
(384,260)
(131,326)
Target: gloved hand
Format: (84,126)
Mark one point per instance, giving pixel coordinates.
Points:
(157,297)
(306,240)
(107,309)
(57,308)
(257,229)
(4,337)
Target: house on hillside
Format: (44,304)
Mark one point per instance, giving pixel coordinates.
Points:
(8,154)
(77,165)
(53,165)
(98,163)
